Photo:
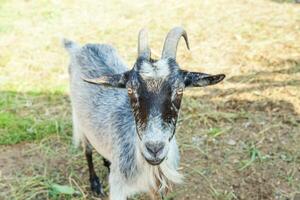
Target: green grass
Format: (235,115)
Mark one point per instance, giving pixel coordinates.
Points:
(254,154)
(23,117)
(15,129)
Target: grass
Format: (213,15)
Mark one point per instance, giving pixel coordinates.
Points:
(255,154)
(32,116)
(238,139)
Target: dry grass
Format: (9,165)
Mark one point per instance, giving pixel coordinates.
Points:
(239,140)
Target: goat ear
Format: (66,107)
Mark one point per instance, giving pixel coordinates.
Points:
(197,79)
(115,80)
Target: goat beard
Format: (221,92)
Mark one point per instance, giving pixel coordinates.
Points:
(162,185)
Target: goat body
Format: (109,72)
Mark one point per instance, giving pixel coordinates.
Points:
(102,116)
(132,129)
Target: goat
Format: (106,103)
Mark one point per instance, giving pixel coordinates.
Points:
(130,116)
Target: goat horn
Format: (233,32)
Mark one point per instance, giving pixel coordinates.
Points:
(171,42)
(143,47)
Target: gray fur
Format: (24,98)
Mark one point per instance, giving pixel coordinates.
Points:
(103,116)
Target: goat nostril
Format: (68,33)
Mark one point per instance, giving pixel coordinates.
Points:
(150,150)
(159,147)
(154,149)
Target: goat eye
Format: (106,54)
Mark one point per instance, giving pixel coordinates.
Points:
(130,90)
(169,119)
(179,91)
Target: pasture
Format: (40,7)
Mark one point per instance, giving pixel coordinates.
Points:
(239,140)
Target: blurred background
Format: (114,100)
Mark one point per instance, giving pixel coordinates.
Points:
(238,140)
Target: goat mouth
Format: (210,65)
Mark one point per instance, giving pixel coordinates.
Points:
(155,162)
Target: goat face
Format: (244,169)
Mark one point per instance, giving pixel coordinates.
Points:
(155,90)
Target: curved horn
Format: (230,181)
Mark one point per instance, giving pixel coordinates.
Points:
(143,48)
(171,42)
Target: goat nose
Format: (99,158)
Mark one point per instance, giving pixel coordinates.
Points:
(154,148)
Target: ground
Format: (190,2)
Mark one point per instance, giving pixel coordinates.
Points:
(238,140)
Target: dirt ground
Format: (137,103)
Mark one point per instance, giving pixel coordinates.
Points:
(255,155)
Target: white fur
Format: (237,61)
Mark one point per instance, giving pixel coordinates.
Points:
(147,176)
(77,135)
(157,70)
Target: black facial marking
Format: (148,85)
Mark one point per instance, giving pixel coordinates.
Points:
(155,97)
(170,105)
(139,99)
